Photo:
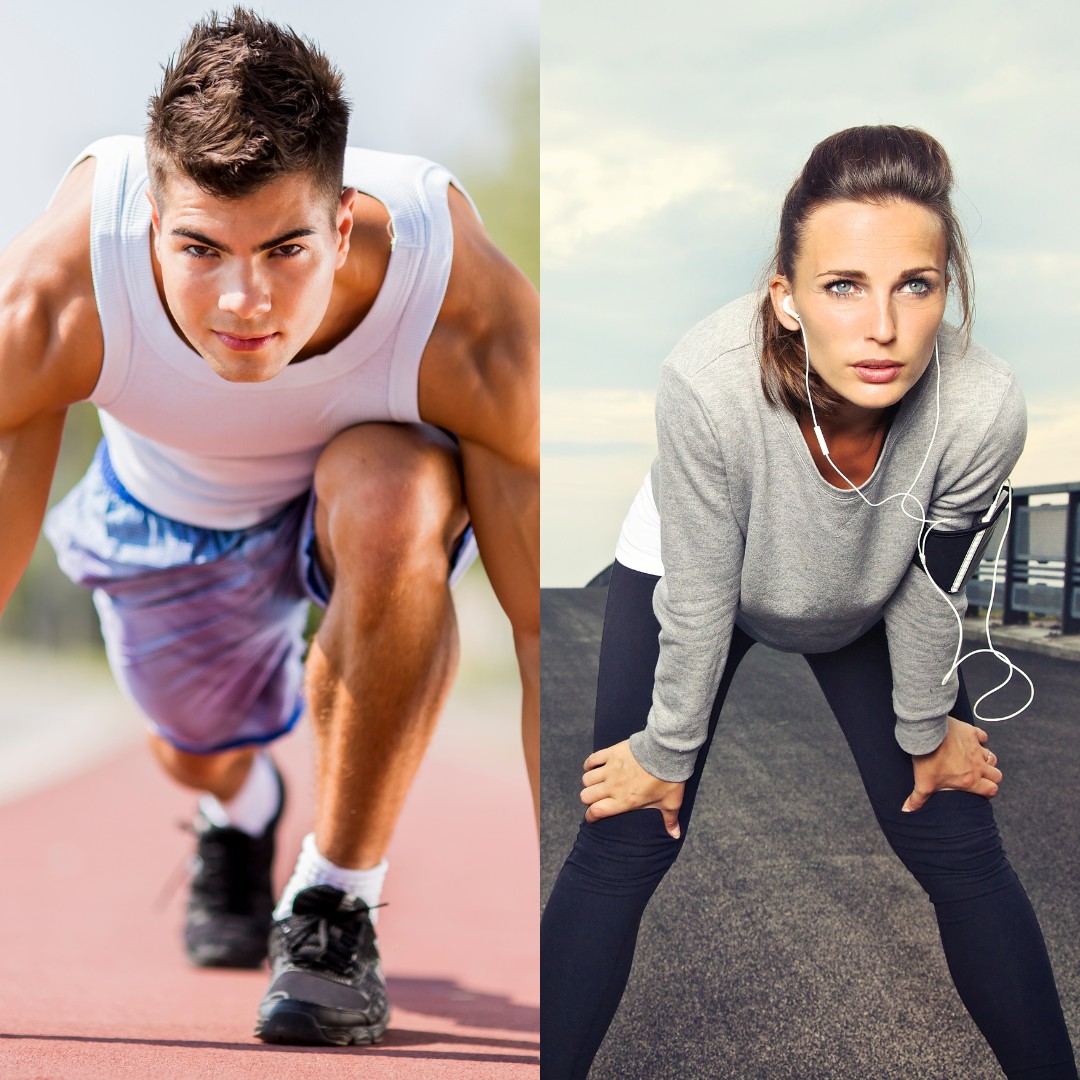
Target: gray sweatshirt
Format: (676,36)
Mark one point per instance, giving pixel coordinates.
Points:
(752,534)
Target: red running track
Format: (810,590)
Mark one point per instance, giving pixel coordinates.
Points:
(93,982)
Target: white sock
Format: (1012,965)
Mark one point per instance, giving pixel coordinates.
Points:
(313,869)
(253,807)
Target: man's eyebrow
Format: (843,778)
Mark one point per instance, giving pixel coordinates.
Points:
(284,238)
(206,241)
(201,238)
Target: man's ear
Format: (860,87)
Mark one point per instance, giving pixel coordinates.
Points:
(155,216)
(345,223)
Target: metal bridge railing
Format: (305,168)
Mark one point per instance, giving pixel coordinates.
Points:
(1041,559)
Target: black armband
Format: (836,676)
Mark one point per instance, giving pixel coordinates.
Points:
(953,557)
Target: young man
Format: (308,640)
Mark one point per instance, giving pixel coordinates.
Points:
(317,379)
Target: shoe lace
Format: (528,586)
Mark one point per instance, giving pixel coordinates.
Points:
(185,869)
(323,941)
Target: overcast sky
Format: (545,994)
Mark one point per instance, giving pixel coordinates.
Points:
(424,76)
(668,141)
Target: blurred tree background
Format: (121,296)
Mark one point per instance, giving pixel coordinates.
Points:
(509,197)
(46,609)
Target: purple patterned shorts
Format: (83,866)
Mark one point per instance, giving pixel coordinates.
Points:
(203,627)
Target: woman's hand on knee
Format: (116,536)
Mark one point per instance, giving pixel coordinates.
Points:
(614,782)
(961,763)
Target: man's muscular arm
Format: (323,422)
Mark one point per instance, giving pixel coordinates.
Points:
(480,379)
(50,356)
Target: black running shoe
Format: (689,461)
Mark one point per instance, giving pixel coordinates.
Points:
(232,900)
(326,983)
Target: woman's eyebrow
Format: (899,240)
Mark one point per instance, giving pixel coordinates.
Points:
(921,270)
(859,275)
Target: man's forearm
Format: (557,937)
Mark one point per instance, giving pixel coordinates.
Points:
(27,461)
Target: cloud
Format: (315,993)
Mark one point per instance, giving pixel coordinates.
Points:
(1016,264)
(1052,453)
(599,417)
(1015,83)
(597,445)
(598,181)
(584,498)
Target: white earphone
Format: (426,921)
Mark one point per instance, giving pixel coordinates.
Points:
(921,517)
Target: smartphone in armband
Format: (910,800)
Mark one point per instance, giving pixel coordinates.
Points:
(953,557)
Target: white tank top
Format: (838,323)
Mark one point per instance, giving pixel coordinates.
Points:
(223,455)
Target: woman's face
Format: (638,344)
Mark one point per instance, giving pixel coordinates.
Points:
(869,286)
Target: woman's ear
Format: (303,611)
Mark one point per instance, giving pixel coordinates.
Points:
(783,302)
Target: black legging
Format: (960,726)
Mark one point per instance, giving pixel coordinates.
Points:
(952,847)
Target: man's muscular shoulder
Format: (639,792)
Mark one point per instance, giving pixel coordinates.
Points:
(50,335)
(479,376)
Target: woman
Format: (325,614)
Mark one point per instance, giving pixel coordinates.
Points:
(785,425)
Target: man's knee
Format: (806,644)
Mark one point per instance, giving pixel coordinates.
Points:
(202,772)
(389,502)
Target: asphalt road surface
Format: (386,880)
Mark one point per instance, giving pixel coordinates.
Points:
(788,941)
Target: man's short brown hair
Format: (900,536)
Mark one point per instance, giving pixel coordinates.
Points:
(244,102)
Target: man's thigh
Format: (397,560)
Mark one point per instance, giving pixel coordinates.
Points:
(203,628)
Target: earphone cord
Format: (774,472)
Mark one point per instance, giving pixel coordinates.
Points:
(922,519)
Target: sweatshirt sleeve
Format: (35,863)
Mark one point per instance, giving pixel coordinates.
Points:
(921,629)
(696,599)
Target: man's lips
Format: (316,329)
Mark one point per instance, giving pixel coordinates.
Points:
(877,371)
(243,344)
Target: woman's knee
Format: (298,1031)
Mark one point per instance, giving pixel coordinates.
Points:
(951,846)
(625,853)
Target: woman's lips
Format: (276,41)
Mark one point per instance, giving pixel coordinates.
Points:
(877,371)
(243,344)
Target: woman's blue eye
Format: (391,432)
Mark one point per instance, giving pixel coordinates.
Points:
(841,288)
(920,287)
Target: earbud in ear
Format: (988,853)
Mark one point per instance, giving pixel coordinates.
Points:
(786,305)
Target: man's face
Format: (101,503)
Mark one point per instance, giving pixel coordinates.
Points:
(247,281)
